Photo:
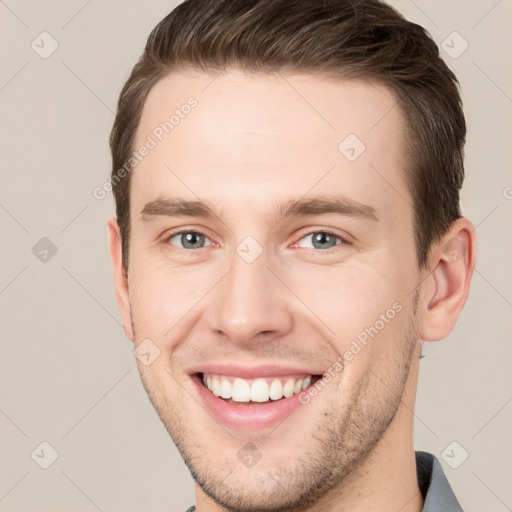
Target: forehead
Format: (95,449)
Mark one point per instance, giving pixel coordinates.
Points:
(235,137)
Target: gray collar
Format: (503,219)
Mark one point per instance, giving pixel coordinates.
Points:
(437,493)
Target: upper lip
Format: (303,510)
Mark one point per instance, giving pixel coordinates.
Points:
(251,372)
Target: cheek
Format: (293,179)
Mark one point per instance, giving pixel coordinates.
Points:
(347,299)
(368,312)
(165,301)
(159,298)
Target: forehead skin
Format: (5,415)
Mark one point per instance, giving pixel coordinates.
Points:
(254,140)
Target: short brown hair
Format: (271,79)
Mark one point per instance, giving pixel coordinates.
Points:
(364,39)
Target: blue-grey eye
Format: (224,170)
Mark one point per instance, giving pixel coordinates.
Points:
(322,240)
(189,240)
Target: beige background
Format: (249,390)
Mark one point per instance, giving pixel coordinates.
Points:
(68,375)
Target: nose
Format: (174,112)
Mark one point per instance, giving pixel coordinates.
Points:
(250,303)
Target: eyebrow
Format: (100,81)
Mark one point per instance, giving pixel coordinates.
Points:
(317,205)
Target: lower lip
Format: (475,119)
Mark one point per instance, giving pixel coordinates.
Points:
(246,417)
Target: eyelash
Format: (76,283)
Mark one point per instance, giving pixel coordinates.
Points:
(342,240)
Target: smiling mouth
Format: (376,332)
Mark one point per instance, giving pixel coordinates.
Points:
(258,391)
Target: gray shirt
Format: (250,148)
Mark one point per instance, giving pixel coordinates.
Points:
(437,493)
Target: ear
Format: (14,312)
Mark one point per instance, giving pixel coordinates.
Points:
(446,289)
(120,276)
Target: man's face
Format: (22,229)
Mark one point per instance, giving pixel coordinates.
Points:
(257,300)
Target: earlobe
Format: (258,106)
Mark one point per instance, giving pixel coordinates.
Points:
(120,276)
(452,264)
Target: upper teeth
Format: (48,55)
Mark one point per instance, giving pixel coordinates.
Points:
(256,390)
